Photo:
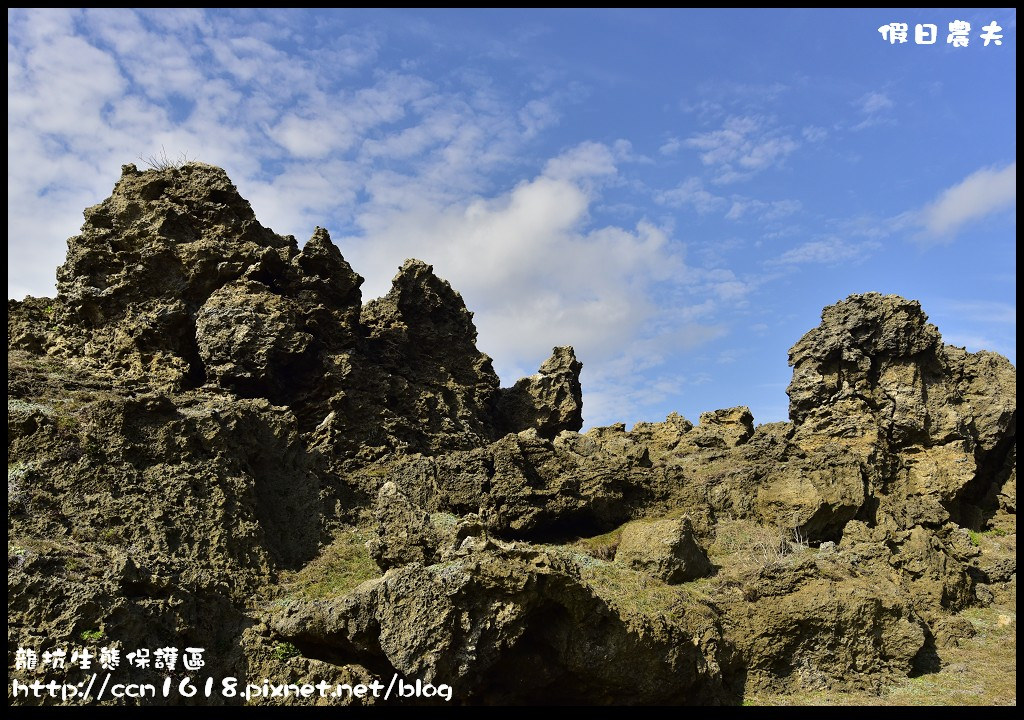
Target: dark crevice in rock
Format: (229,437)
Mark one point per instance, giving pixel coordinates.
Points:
(978,501)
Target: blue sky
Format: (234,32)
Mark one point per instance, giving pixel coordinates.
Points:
(675,193)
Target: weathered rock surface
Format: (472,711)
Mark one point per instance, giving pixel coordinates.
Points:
(515,627)
(404,533)
(148,257)
(205,413)
(665,549)
(813,623)
(875,377)
(549,402)
(249,340)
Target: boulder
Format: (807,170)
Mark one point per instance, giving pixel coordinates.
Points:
(664,549)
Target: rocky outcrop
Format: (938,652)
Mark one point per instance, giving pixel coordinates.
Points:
(404,534)
(213,441)
(813,623)
(147,259)
(434,389)
(249,341)
(175,281)
(549,402)
(515,627)
(934,422)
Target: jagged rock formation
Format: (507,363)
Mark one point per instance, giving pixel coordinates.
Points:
(213,442)
(549,402)
(876,378)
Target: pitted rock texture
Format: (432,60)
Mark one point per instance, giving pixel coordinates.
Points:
(213,442)
(147,258)
(517,626)
(875,377)
(549,402)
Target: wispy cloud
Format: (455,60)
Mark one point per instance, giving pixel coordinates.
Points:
(691,192)
(874,109)
(750,208)
(827,251)
(981,193)
(873,103)
(720,98)
(743,147)
(671,146)
(814,134)
(588,159)
(977,324)
(395,162)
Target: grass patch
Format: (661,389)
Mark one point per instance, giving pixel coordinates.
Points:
(340,567)
(91,636)
(744,545)
(602,547)
(631,592)
(285,651)
(980,671)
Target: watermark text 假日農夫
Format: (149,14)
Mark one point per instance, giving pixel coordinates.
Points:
(957,36)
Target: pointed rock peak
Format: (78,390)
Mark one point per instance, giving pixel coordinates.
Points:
(416,273)
(182,230)
(414,266)
(425,303)
(193,202)
(321,244)
(320,257)
(416,280)
(192,182)
(150,255)
(562,360)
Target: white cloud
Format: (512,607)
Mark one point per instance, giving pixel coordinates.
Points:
(981,193)
(743,207)
(691,192)
(814,134)
(977,324)
(313,137)
(526,262)
(537,115)
(588,159)
(398,164)
(671,146)
(828,251)
(720,97)
(743,147)
(874,102)
(875,107)
(537,273)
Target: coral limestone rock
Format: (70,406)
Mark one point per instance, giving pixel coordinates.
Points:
(550,401)
(213,442)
